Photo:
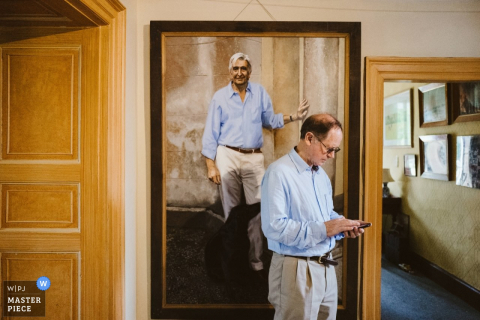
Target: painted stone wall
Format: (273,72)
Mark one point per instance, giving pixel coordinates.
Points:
(289,68)
(324,88)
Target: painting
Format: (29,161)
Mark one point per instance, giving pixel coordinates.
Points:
(189,62)
(465,99)
(434,163)
(468,161)
(432,100)
(397,120)
(410,165)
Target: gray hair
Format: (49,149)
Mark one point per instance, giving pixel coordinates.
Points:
(240,56)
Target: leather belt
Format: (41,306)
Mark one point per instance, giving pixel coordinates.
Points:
(245,150)
(325,259)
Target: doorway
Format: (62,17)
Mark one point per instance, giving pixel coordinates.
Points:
(379,70)
(418,213)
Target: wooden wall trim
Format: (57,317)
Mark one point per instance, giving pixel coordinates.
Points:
(377,71)
(106,10)
(112,73)
(116,165)
(111,43)
(446,280)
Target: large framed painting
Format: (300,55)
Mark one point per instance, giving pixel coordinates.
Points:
(397,120)
(319,61)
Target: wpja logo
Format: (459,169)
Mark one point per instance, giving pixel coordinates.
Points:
(25,298)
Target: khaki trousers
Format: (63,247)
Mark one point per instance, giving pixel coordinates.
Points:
(302,289)
(242,171)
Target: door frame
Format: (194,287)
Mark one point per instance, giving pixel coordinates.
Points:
(110,17)
(379,70)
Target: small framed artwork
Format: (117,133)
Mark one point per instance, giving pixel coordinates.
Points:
(434,157)
(468,161)
(432,101)
(410,165)
(465,99)
(397,120)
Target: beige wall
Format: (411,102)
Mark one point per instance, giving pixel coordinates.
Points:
(389,28)
(444,217)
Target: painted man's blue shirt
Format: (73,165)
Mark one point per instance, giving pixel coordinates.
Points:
(239,124)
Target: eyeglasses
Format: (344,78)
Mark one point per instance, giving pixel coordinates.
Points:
(329,150)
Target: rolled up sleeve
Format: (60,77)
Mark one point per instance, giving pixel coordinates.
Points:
(270,120)
(212,130)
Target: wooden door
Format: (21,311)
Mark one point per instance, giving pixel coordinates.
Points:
(57,201)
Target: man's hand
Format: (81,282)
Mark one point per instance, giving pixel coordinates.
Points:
(347,226)
(302,110)
(356,231)
(212,171)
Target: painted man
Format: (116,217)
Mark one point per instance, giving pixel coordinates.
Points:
(232,140)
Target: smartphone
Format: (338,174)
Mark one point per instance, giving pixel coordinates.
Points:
(366,225)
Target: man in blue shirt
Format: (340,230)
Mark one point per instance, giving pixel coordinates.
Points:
(232,140)
(301,226)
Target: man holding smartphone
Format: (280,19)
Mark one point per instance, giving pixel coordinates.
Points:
(301,226)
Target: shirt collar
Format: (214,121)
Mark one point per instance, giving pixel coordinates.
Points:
(299,163)
(231,92)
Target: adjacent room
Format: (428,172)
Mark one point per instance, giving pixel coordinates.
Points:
(430,199)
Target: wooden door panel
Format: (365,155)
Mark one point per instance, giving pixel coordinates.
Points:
(40,103)
(62,270)
(39,206)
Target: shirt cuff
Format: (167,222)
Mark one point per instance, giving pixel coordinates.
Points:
(209,155)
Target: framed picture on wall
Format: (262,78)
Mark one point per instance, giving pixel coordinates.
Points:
(189,63)
(468,161)
(432,101)
(465,99)
(434,157)
(410,165)
(397,120)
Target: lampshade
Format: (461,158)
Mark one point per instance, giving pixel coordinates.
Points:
(386,176)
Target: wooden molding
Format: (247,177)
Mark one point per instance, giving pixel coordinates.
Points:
(116,165)
(377,71)
(446,280)
(59,13)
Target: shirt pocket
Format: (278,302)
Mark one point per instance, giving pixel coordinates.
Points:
(256,112)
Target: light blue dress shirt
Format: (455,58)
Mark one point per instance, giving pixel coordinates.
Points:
(239,124)
(296,202)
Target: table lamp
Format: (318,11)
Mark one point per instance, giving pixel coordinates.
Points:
(386,179)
